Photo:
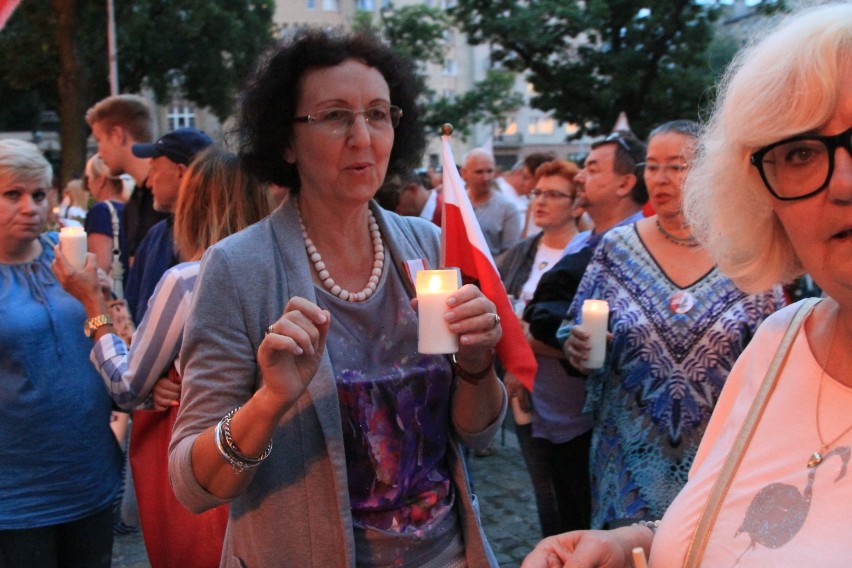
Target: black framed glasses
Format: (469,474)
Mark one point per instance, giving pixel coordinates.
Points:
(800,166)
(337,121)
(549,194)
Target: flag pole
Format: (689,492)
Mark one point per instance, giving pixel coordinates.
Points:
(112,50)
(463,245)
(446,130)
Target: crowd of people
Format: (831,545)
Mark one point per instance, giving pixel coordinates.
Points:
(254,314)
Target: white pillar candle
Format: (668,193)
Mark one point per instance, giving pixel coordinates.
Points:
(434,287)
(595,320)
(74,244)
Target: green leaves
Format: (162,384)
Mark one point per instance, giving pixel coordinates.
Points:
(589,60)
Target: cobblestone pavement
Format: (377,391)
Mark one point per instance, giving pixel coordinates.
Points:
(506,504)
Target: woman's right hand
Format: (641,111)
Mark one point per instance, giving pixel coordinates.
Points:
(84,284)
(577,348)
(589,549)
(290,354)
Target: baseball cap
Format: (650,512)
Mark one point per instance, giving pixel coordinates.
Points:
(179,146)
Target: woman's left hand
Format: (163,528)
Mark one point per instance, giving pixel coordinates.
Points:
(166,393)
(474,318)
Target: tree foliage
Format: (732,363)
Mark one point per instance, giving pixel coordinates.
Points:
(418,32)
(588,60)
(53,56)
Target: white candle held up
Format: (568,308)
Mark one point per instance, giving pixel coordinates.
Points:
(595,321)
(74,244)
(434,287)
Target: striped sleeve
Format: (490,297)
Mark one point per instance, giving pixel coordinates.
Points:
(130,375)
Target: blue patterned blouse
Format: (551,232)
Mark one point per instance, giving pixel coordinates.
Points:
(671,351)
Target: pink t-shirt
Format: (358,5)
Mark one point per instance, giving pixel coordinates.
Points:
(777,512)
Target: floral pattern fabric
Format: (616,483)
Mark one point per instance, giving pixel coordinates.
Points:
(671,352)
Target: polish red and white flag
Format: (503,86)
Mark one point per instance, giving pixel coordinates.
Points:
(463,245)
(6,9)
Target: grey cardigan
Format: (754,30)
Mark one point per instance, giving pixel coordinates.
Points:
(296,511)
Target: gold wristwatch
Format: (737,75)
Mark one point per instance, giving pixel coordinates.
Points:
(95,323)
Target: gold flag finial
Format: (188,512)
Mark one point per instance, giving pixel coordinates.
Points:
(447,129)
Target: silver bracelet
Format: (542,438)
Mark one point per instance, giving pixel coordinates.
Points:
(229,450)
(653,525)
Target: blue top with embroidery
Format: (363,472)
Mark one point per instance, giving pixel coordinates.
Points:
(671,351)
(60,460)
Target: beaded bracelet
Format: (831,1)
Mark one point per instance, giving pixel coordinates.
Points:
(472,378)
(229,450)
(653,525)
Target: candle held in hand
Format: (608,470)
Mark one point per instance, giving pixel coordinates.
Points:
(74,244)
(434,287)
(595,321)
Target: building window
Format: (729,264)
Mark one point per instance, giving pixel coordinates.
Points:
(510,130)
(449,94)
(366,5)
(312,4)
(542,126)
(180,115)
(331,5)
(451,68)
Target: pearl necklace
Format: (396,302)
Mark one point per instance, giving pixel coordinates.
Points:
(325,277)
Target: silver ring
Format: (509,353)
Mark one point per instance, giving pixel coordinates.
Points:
(496,320)
(269,330)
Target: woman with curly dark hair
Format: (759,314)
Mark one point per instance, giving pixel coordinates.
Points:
(306,404)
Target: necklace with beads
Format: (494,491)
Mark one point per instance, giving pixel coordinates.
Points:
(818,456)
(322,271)
(689,241)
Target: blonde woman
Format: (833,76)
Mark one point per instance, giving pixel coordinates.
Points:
(61,464)
(108,192)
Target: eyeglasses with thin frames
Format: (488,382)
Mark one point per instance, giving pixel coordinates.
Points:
(654,169)
(800,166)
(337,121)
(549,194)
(619,139)
(616,137)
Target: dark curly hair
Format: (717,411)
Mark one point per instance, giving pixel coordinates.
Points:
(267,106)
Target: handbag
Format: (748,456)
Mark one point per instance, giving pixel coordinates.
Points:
(174,537)
(119,311)
(726,476)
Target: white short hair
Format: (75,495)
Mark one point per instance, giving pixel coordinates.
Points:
(23,161)
(783,85)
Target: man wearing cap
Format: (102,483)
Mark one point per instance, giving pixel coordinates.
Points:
(170,156)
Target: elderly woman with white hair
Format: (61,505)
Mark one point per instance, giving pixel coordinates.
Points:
(771,198)
(61,463)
